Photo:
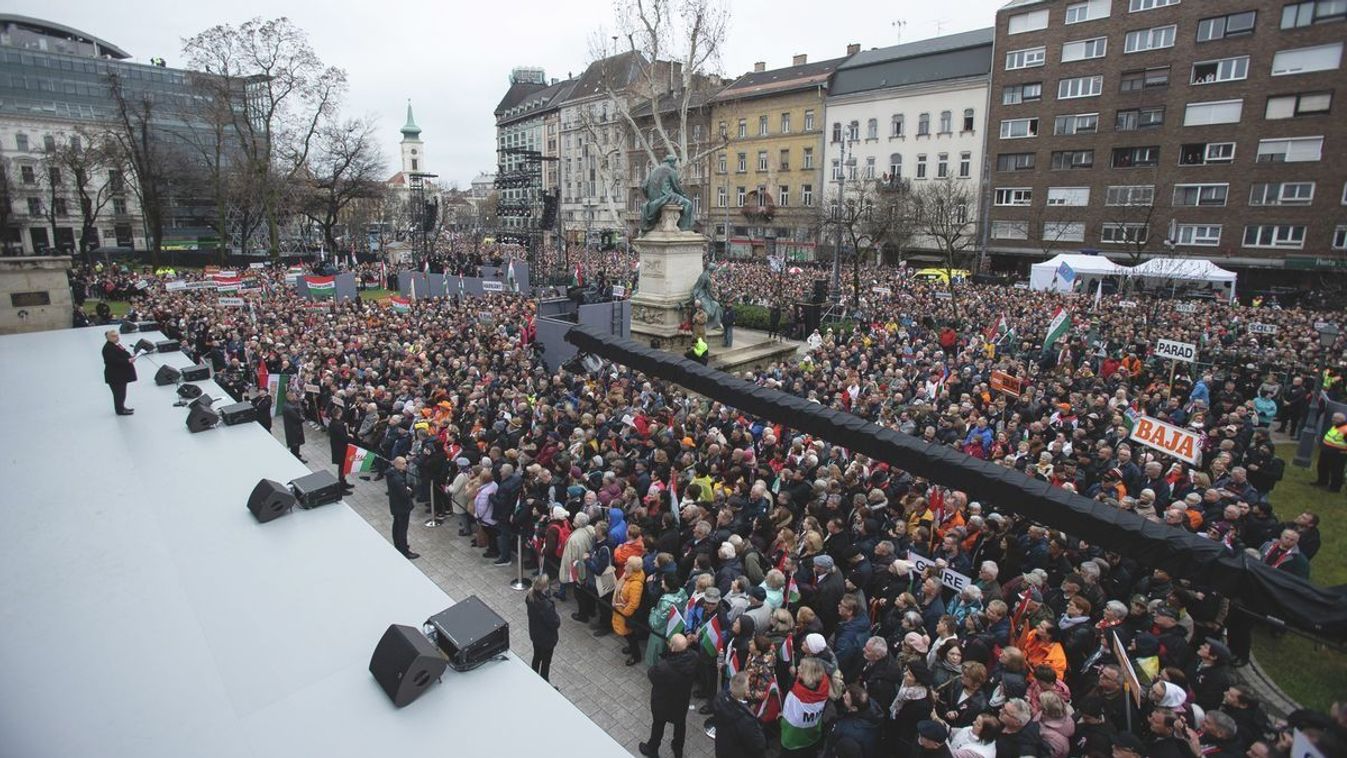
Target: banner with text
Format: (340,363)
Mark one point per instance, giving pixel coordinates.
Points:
(948,577)
(1168,439)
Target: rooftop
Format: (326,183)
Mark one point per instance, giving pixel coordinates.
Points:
(102,48)
(760,83)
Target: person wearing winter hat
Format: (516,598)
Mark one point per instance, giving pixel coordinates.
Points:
(911,706)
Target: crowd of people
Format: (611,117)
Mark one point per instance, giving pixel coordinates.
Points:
(794,587)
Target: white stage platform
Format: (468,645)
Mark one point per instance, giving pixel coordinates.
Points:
(145,613)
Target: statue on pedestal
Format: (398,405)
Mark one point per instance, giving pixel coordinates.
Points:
(662,188)
(703,294)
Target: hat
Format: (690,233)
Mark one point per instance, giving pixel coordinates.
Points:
(916,642)
(824,562)
(712,595)
(1129,742)
(559,513)
(462,462)
(932,730)
(758,593)
(814,643)
(1218,649)
(1165,610)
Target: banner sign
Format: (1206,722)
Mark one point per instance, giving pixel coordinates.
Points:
(236,302)
(203,285)
(1186,308)
(948,577)
(1129,672)
(1257,328)
(1003,382)
(257,265)
(943,295)
(1127,304)
(881,290)
(1176,351)
(492,285)
(619,290)
(174,286)
(1168,439)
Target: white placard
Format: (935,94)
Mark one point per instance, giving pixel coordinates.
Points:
(257,265)
(1176,351)
(943,295)
(236,302)
(203,285)
(881,290)
(1127,304)
(619,290)
(492,285)
(1257,328)
(174,286)
(948,577)
(1186,308)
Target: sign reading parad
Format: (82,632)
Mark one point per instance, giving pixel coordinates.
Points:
(1176,351)
(1168,439)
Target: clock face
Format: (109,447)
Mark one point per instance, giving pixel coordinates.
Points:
(413,151)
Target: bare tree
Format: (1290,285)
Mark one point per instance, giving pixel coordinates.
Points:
(277,92)
(346,166)
(84,160)
(942,209)
(870,216)
(7,198)
(137,144)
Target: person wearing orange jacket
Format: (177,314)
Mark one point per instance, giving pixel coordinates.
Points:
(626,601)
(1040,649)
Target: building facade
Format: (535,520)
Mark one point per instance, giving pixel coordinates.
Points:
(1164,127)
(902,115)
(695,174)
(768,182)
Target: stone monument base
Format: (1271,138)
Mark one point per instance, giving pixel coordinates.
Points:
(671,261)
(35,294)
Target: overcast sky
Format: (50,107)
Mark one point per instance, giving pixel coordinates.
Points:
(452,58)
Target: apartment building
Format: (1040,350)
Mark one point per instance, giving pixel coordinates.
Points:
(1170,127)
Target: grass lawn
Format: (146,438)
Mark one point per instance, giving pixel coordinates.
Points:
(1311,675)
(376,294)
(119,307)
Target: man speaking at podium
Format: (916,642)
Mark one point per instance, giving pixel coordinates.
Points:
(118,371)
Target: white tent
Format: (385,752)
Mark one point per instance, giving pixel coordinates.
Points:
(1086,269)
(1188,273)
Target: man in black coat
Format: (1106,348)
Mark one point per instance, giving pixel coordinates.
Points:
(738,732)
(400,505)
(118,371)
(503,502)
(671,681)
(293,417)
(338,437)
(262,402)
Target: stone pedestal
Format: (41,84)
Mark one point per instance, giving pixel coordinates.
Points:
(671,261)
(34,294)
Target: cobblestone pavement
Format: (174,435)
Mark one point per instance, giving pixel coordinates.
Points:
(588,670)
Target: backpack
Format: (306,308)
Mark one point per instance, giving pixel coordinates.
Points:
(563,534)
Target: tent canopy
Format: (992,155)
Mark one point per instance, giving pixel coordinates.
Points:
(1184,269)
(1043,276)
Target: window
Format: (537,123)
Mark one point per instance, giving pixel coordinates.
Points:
(1078,123)
(1218,112)
(1220,27)
(1340,237)
(870,167)
(1274,235)
(762,160)
(1125,233)
(896,125)
(1206,153)
(743,128)
(739,195)
(1136,157)
(1028,22)
(809,121)
(1281,193)
(1080,86)
(968,119)
(34,207)
(965,165)
(742,165)
(1198,235)
(783,196)
(1304,14)
(1304,104)
(1067,159)
(837,169)
(1089,10)
(783,160)
(946,122)
(1136,6)
(116,182)
(785,123)
(1194,195)
(1015,94)
(1140,118)
(807,195)
(722,162)
(1015,162)
(853,131)
(1130,195)
(1306,59)
(1135,81)
(1064,231)
(762,126)
(49,143)
(1085,49)
(924,125)
(1028,58)
(921,166)
(1010,230)
(809,158)
(872,129)
(27,175)
(414,164)
(1156,38)
(722,197)
(1017,128)
(21,142)
(1295,150)
(1226,70)
(1068,195)
(895,166)
(942,166)
(58,207)
(54,175)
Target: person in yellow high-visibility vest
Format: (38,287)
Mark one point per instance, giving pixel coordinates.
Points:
(1332,454)
(699,351)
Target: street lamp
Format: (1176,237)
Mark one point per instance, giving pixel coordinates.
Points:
(770,236)
(1309,433)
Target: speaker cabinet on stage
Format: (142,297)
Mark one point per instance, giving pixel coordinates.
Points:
(470,633)
(127,327)
(201,417)
(270,500)
(167,375)
(144,346)
(820,291)
(189,391)
(318,488)
(405,664)
(198,373)
(131,327)
(238,413)
(167,346)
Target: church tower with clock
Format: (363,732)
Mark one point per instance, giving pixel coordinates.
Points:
(413,150)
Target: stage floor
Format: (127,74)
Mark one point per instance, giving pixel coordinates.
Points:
(144,612)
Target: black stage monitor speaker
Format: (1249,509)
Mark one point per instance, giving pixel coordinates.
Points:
(167,346)
(269,500)
(147,326)
(470,633)
(167,375)
(318,488)
(144,346)
(198,373)
(200,418)
(405,664)
(203,401)
(127,327)
(238,413)
(189,391)
(820,291)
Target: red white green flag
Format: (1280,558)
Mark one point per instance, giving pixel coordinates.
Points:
(712,636)
(321,286)
(802,715)
(400,304)
(675,623)
(358,460)
(792,592)
(770,709)
(787,650)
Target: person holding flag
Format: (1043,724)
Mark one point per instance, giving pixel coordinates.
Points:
(666,619)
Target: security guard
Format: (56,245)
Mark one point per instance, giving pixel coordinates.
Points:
(1333,454)
(699,351)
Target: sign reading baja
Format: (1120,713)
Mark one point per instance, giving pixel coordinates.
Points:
(1168,439)
(1003,382)
(1176,351)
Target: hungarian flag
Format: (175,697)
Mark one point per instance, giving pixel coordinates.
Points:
(358,460)
(792,592)
(1130,416)
(712,637)
(731,663)
(227,283)
(770,709)
(279,384)
(1060,325)
(996,330)
(802,715)
(577,280)
(787,650)
(321,286)
(674,624)
(400,304)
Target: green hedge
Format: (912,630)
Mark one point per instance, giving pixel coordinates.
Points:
(748,316)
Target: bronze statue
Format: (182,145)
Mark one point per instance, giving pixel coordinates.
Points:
(704,295)
(662,188)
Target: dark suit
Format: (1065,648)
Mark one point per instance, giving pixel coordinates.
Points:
(338,436)
(118,371)
(671,681)
(293,416)
(400,505)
